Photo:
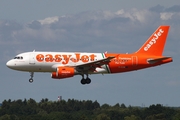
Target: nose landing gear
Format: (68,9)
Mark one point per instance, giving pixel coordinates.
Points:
(31,79)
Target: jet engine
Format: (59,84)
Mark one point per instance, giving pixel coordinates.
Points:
(63,72)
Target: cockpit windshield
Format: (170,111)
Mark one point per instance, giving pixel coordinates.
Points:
(18,57)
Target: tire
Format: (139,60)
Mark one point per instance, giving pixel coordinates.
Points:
(88,81)
(30,80)
(83,81)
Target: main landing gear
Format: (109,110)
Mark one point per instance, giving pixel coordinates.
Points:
(31,79)
(85,81)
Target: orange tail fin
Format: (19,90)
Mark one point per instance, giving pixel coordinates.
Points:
(156,42)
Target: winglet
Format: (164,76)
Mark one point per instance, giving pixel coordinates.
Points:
(156,42)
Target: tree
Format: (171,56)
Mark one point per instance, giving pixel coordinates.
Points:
(115,114)
(105,106)
(116,105)
(132,117)
(123,105)
(177,116)
(5,117)
(32,102)
(102,116)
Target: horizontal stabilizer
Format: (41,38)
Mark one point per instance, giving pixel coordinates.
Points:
(152,61)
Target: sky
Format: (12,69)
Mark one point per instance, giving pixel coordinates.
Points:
(90,26)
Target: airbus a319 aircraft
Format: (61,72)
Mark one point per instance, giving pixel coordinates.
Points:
(67,64)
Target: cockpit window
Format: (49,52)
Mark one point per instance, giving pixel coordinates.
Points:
(18,57)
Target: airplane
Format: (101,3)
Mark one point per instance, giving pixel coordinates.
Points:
(67,64)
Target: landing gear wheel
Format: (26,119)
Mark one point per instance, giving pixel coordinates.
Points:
(88,80)
(30,80)
(83,81)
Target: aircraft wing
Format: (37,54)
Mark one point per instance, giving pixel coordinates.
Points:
(91,66)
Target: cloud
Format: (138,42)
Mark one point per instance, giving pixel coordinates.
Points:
(157,8)
(166,13)
(160,9)
(175,8)
(49,20)
(91,31)
(35,25)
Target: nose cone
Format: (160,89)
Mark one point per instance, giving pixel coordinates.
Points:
(10,64)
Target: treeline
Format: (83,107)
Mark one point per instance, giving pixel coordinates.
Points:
(82,110)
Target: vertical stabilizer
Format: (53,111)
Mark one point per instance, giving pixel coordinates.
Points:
(156,42)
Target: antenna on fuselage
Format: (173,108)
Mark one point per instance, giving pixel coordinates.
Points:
(33,50)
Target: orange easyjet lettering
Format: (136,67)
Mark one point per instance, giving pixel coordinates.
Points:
(48,58)
(76,59)
(40,58)
(65,58)
(57,58)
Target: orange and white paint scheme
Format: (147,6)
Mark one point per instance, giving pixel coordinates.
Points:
(67,64)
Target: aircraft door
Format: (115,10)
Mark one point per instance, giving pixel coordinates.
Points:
(134,60)
(31,58)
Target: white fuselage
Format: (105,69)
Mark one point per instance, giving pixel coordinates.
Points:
(49,61)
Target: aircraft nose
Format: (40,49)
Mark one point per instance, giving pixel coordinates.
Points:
(9,64)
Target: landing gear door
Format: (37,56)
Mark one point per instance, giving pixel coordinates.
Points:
(31,58)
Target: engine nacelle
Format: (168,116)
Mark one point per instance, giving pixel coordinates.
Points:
(63,72)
